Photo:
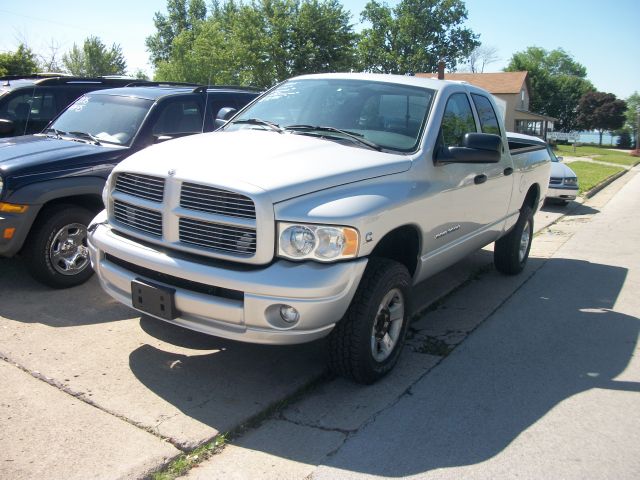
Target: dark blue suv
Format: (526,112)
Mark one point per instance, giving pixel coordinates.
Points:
(51,183)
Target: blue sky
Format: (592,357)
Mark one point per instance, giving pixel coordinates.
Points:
(603,36)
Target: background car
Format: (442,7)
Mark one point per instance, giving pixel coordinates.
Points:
(29,103)
(563,182)
(51,183)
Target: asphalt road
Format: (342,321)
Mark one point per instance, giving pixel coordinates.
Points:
(90,389)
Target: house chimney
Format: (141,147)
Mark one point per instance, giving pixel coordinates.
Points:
(441,70)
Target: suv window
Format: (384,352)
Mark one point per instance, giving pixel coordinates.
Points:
(110,118)
(457,121)
(488,120)
(29,111)
(179,116)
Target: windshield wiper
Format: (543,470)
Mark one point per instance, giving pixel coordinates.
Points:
(356,137)
(57,133)
(86,136)
(258,121)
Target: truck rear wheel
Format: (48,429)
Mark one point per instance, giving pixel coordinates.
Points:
(366,344)
(56,251)
(511,252)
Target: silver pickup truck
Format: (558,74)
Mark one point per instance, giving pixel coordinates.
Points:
(313,212)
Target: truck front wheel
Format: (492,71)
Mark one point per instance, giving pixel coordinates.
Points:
(56,251)
(511,252)
(366,344)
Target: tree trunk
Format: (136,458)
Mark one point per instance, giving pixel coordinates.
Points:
(601,131)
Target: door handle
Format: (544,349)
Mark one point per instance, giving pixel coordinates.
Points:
(480,179)
(508,171)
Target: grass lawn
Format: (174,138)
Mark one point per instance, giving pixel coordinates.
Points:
(591,174)
(598,154)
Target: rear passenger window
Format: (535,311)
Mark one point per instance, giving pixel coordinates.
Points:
(488,120)
(458,120)
(182,116)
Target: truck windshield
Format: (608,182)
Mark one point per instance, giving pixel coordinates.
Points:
(106,118)
(385,115)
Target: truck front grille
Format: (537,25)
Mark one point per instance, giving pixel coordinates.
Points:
(142,219)
(141,186)
(555,181)
(210,235)
(214,200)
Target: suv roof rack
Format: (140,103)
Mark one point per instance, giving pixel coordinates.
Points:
(33,76)
(145,83)
(203,88)
(71,80)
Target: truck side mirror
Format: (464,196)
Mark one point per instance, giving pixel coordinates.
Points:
(6,126)
(476,148)
(223,116)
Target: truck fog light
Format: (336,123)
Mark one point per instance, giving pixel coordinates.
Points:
(289,314)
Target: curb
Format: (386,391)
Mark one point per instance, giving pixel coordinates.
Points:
(605,183)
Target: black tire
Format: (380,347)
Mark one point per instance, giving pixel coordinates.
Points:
(510,253)
(48,258)
(353,340)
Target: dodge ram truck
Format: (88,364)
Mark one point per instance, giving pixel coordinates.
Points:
(314,211)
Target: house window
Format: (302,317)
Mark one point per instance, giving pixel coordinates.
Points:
(529,127)
(522,99)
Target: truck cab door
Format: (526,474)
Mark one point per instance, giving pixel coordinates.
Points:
(469,201)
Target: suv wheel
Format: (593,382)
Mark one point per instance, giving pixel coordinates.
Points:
(56,252)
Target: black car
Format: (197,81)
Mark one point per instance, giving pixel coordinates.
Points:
(51,183)
(28,104)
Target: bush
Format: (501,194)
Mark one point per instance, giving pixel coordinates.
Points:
(624,141)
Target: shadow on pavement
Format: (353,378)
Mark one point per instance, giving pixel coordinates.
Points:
(24,300)
(555,338)
(572,209)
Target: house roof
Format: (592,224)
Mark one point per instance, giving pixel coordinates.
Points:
(499,82)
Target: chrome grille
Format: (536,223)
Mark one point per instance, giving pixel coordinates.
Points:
(142,186)
(139,218)
(229,238)
(214,200)
(555,181)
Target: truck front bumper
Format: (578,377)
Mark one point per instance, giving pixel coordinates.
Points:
(230,301)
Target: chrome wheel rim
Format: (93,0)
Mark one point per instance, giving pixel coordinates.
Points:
(68,252)
(524,241)
(387,325)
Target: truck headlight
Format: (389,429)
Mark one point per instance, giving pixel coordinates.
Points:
(1,186)
(323,243)
(573,181)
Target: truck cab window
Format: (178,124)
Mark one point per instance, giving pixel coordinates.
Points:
(488,120)
(457,121)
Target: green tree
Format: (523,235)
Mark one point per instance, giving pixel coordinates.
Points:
(180,17)
(21,62)
(262,43)
(601,111)
(94,59)
(557,83)
(414,36)
(632,115)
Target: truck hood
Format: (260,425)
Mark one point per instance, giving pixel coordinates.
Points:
(37,153)
(256,161)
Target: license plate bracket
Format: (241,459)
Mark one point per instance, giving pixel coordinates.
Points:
(154,299)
